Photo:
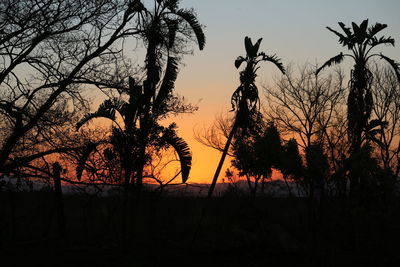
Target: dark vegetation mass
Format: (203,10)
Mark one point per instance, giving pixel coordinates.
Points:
(72,193)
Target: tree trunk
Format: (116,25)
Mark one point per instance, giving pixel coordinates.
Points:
(214,181)
(59,200)
(7,148)
(251,191)
(221,161)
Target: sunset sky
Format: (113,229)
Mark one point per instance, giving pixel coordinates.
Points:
(294,30)
(92,166)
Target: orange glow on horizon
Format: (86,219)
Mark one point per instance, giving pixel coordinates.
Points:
(205,159)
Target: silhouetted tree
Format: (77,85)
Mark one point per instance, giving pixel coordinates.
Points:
(360,40)
(385,90)
(165,30)
(386,93)
(310,108)
(336,146)
(303,104)
(255,155)
(215,135)
(291,164)
(59,45)
(125,144)
(124,137)
(316,175)
(245,100)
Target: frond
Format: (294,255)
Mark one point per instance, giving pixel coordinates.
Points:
(190,18)
(363,26)
(275,60)
(249,46)
(236,96)
(113,103)
(355,28)
(345,41)
(183,151)
(119,139)
(375,29)
(172,29)
(101,113)
(383,40)
(168,83)
(83,157)
(360,32)
(106,110)
(346,30)
(251,49)
(395,65)
(256,46)
(334,60)
(239,61)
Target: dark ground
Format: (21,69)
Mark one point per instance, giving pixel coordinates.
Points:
(235,232)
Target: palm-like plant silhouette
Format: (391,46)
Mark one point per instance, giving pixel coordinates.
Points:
(125,141)
(360,41)
(124,137)
(245,100)
(165,30)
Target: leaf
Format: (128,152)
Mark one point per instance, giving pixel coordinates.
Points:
(172,29)
(334,60)
(168,83)
(355,28)
(277,61)
(106,110)
(119,139)
(109,114)
(239,61)
(83,157)
(364,26)
(345,41)
(361,34)
(346,29)
(236,96)
(183,151)
(395,65)
(248,45)
(190,18)
(383,40)
(375,29)
(256,47)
